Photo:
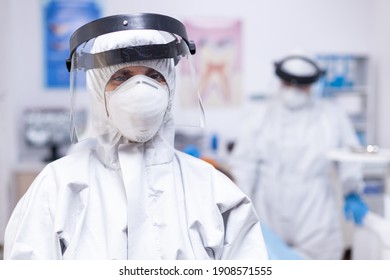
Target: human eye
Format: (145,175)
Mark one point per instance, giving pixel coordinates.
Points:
(158,77)
(120,77)
(117,79)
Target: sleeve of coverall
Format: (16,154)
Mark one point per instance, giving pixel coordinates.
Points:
(351,174)
(30,231)
(243,235)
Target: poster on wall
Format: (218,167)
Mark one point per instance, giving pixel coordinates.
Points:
(218,60)
(61,19)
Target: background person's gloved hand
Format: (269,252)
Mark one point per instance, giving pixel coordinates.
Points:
(355,208)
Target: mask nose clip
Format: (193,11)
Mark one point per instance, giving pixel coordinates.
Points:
(146,83)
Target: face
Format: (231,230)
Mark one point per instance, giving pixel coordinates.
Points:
(126,73)
(301,88)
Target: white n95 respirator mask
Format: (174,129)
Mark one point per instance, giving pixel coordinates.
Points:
(137,107)
(294,98)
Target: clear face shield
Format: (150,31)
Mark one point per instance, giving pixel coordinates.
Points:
(298,79)
(123,76)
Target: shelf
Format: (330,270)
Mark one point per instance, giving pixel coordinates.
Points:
(345,155)
(335,91)
(360,90)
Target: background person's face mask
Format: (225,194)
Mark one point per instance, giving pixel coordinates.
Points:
(294,98)
(137,107)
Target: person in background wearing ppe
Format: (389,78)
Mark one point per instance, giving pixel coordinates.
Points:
(280,161)
(131,195)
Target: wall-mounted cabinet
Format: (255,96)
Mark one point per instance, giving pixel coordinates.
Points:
(348,82)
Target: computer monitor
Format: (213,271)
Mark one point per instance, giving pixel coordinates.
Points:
(49,128)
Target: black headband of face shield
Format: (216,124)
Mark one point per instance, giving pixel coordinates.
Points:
(133,22)
(174,49)
(298,80)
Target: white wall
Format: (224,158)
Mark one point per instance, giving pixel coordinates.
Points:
(4,98)
(271,28)
(381,45)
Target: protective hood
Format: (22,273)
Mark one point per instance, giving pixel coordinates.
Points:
(96,81)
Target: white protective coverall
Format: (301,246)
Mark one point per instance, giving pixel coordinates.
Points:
(280,161)
(123,200)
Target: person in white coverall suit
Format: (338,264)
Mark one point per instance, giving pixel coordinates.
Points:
(280,161)
(131,195)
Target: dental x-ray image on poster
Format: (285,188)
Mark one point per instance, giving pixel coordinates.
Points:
(217,61)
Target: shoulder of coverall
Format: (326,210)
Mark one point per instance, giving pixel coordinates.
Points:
(202,171)
(65,170)
(71,164)
(200,166)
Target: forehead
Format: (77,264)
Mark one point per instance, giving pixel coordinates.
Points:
(288,84)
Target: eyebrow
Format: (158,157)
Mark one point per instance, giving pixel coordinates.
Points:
(124,71)
(151,70)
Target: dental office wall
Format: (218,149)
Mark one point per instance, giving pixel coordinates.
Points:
(4,120)
(270,29)
(381,54)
